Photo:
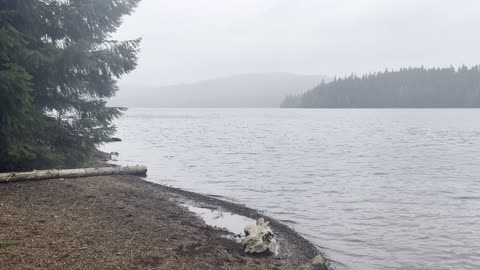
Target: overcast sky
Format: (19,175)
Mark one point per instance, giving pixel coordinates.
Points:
(189,40)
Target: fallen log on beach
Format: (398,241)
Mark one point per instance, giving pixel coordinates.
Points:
(72,173)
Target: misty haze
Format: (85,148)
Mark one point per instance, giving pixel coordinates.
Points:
(260,90)
(239,134)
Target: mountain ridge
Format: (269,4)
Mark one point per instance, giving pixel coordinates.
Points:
(235,91)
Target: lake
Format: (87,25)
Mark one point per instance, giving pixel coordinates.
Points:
(372,188)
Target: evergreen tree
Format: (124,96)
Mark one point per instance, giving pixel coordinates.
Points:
(58,67)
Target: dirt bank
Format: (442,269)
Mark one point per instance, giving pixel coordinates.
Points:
(123,222)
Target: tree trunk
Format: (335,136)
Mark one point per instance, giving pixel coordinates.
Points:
(72,173)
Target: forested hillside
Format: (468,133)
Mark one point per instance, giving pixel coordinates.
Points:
(405,88)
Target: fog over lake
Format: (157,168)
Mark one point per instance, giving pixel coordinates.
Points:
(186,41)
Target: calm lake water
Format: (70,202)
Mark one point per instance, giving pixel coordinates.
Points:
(374,189)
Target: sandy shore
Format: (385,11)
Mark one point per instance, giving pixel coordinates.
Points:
(123,222)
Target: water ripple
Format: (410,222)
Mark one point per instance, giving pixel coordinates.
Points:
(375,189)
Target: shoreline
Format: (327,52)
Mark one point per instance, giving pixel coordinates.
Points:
(122,205)
(293,246)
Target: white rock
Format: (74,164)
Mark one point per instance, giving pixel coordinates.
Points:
(318,260)
(259,238)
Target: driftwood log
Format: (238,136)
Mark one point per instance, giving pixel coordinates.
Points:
(72,173)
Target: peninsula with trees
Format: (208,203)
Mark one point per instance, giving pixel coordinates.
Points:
(405,88)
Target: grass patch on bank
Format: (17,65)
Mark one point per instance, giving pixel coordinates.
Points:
(8,244)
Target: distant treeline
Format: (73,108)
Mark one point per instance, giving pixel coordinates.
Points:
(406,88)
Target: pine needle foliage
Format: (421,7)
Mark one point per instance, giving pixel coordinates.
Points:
(58,68)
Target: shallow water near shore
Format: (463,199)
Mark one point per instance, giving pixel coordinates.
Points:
(221,219)
(374,189)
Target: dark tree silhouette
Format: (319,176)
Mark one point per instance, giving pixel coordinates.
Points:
(406,88)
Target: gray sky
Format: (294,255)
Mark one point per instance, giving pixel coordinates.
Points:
(189,40)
